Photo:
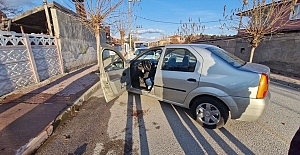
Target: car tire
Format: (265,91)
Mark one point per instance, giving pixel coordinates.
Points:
(209,112)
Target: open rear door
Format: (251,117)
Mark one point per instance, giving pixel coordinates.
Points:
(114,73)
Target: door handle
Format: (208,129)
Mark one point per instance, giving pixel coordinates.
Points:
(191,80)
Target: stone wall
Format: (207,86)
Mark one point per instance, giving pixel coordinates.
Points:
(280,52)
(77,43)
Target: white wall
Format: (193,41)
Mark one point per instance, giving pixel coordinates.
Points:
(26,59)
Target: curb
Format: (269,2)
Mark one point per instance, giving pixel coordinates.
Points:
(36,142)
(290,84)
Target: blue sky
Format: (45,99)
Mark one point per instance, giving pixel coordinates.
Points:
(154,15)
(181,10)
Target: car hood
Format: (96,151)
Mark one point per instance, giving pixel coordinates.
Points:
(257,68)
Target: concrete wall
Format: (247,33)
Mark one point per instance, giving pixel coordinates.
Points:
(228,44)
(77,43)
(26,60)
(281,53)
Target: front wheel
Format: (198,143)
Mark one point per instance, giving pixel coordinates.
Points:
(209,112)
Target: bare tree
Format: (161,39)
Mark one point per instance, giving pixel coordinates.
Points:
(93,13)
(121,26)
(9,10)
(259,18)
(190,30)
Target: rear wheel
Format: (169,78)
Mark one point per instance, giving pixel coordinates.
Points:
(210,112)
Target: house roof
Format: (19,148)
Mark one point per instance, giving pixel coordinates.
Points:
(2,15)
(34,20)
(247,12)
(174,36)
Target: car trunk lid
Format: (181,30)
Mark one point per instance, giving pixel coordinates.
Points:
(257,68)
(264,80)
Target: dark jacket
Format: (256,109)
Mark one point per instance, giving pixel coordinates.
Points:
(295,144)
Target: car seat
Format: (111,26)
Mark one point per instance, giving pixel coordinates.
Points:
(172,61)
(186,60)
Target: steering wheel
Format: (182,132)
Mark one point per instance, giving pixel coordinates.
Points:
(146,65)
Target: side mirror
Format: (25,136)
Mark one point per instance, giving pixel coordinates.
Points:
(105,54)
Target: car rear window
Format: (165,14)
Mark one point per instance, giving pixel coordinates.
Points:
(226,56)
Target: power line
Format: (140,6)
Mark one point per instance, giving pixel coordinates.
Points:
(167,22)
(68,4)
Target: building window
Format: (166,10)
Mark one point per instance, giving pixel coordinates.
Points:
(295,15)
(242,50)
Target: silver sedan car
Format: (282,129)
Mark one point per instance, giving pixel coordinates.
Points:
(211,82)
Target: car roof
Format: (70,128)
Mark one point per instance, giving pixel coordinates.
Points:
(107,46)
(180,45)
(141,49)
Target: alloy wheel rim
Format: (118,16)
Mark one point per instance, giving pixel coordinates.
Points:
(208,114)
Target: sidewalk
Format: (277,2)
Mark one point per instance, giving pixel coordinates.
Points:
(29,116)
(288,81)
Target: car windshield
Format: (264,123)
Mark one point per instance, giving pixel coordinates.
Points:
(138,51)
(228,57)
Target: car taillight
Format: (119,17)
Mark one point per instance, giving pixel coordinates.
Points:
(263,86)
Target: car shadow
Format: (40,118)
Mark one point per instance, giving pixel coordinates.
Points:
(133,113)
(187,142)
(198,143)
(235,141)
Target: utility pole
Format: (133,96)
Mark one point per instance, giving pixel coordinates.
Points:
(137,34)
(129,21)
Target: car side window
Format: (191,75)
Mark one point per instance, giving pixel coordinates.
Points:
(111,60)
(151,55)
(179,59)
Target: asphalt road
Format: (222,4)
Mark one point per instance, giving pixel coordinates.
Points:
(134,124)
